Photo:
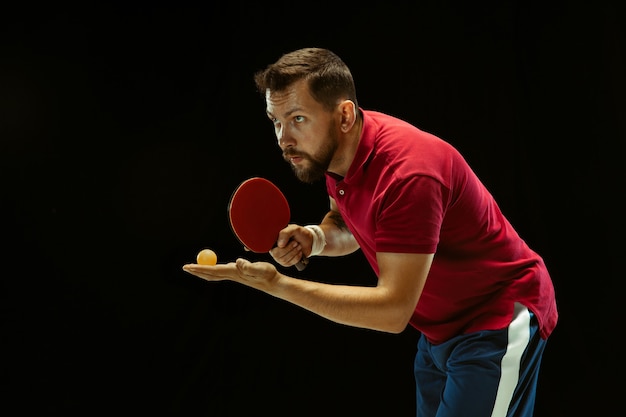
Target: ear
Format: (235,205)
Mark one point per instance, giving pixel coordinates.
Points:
(347,110)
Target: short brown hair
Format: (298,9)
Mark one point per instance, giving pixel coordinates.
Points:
(329,78)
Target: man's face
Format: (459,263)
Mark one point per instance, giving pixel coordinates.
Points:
(306,132)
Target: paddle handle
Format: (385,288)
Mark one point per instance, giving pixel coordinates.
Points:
(302,263)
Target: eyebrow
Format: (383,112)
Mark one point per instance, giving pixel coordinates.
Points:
(287,113)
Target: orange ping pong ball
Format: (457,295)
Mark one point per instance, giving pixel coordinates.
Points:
(206,257)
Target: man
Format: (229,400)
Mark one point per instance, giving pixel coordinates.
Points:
(447,261)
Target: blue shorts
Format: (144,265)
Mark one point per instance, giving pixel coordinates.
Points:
(484,374)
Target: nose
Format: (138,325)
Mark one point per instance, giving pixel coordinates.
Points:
(284,139)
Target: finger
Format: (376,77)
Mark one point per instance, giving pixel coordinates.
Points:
(293,256)
(210,272)
(285,236)
(242,264)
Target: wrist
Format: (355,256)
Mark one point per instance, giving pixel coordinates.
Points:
(319,239)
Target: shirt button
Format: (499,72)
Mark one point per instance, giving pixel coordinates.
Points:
(341,192)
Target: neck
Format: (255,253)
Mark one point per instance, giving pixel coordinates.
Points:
(348,144)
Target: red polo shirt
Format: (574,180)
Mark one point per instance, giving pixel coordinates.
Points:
(408,191)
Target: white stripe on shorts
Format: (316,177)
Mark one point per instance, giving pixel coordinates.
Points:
(519,337)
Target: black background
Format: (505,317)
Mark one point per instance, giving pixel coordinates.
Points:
(125,126)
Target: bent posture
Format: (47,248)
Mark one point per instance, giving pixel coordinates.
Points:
(448,262)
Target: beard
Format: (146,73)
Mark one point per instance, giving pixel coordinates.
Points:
(318,163)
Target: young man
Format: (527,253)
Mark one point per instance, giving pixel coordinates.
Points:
(447,260)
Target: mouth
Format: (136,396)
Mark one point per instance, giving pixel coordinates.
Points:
(293,158)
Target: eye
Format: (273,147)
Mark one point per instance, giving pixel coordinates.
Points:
(299,119)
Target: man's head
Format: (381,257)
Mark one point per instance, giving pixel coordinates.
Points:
(311,101)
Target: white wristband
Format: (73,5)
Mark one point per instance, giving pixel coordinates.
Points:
(319,239)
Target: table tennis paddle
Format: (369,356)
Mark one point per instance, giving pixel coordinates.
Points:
(258,211)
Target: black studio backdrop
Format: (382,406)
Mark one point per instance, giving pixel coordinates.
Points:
(125,127)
